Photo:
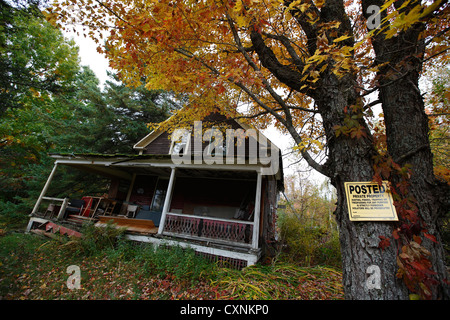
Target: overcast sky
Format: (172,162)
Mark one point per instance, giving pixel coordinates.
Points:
(89,55)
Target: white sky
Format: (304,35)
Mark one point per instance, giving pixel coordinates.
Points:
(89,55)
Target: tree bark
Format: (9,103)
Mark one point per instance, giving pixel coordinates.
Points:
(407,135)
(407,132)
(407,141)
(350,159)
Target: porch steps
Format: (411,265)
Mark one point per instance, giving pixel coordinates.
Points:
(50,229)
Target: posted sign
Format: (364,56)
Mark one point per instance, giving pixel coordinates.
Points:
(368,201)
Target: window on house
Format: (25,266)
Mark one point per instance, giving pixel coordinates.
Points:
(160,195)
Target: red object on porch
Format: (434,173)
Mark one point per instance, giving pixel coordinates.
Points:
(87,210)
(62,230)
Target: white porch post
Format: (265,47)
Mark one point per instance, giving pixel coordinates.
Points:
(130,189)
(257,214)
(63,209)
(167,201)
(44,190)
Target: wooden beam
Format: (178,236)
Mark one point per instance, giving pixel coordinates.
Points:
(135,225)
(257,214)
(167,201)
(130,189)
(44,190)
(63,209)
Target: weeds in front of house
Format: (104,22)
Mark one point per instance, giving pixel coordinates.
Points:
(32,267)
(308,244)
(281,281)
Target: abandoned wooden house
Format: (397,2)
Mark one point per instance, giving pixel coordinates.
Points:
(169,193)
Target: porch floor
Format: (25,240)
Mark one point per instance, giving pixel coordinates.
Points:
(131,224)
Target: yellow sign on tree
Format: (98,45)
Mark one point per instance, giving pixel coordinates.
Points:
(368,201)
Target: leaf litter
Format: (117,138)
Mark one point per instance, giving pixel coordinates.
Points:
(41,274)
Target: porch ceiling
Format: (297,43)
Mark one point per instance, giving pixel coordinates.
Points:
(124,166)
(126,173)
(222,174)
(121,172)
(102,170)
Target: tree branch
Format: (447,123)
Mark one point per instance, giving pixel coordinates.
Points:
(286,122)
(287,44)
(303,20)
(283,73)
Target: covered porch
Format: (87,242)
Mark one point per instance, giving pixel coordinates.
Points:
(215,209)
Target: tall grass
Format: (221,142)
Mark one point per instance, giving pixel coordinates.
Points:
(280,281)
(180,263)
(110,242)
(308,244)
(35,268)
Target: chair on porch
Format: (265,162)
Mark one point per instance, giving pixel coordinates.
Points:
(52,209)
(132,210)
(75,207)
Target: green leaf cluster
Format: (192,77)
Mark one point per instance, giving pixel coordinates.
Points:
(50,103)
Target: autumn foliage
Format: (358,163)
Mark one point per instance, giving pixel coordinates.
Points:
(310,69)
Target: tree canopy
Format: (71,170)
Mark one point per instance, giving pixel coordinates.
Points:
(309,67)
(34,58)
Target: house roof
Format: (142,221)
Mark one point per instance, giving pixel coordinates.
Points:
(149,138)
(124,165)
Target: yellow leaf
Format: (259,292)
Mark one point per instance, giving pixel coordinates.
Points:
(238,6)
(387,4)
(319,3)
(241,21)
(430,8)
(305,68)
(304,7)
(341,38)
(390,33)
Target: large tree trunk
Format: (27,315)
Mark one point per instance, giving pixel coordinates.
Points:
(369,272)
(407,140)
(350,159)
(407,133)
(408,143)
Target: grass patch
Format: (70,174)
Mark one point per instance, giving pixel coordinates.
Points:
(32,267)
(284,281)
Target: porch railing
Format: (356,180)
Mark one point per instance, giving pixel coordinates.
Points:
(218,230)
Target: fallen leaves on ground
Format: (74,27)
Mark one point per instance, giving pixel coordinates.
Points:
(39,272)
